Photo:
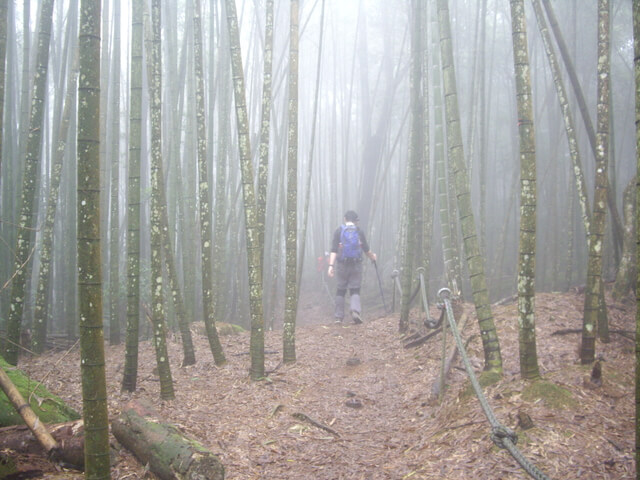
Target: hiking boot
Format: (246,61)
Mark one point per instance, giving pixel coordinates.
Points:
(356,317)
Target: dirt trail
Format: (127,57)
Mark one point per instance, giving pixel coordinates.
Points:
(303,421)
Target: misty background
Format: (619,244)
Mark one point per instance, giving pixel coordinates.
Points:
(353,145)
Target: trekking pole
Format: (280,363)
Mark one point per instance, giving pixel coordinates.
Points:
(380,285)
(394,274)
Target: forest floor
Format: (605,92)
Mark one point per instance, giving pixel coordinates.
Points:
(373,395)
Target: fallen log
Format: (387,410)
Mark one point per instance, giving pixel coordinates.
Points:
(169,453)
(69,437)
(624,333)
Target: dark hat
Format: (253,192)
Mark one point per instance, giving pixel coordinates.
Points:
(351,216)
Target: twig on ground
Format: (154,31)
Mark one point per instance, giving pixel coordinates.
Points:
(422,339)
(305,418)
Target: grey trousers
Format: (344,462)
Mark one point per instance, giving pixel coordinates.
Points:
(348,277)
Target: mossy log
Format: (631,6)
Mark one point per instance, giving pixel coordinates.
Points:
(48,407)
(169,453)
(69,436)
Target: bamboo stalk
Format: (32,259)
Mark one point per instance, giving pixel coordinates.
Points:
(28,415)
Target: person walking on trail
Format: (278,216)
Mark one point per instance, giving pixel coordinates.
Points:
(345,263)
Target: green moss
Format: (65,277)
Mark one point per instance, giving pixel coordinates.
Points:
(552,395)
(7,465)
(485,379)
(229,328)
(489,377)
(48,407)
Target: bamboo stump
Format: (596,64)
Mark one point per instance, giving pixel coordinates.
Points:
(169,454)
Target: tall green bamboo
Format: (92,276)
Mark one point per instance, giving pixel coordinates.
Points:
(574,151)
(451,273)
(291,290)
(114,246)
(43,298)
(528,196)
(581,187)
(265,124)
(454,214)
(221,245)
(69,230)
(252,230)
(427,200)
(129,379)
(204,195)
(636,62)
(157,308)
(3,56)
(28,209)
(569,237)
(25,94)
(414,169)
(6,261)
(596,235)
(484,125)
(94,389)
(475,262)
(172,287)
(625,278)
(584,112)
(168,251)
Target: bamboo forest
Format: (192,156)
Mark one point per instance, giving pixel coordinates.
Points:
(319,239)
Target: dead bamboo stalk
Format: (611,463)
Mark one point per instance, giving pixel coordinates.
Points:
(28,415)
(435,389)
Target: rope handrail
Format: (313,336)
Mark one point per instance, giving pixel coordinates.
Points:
(502,436)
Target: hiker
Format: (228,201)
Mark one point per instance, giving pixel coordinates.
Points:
(345,261)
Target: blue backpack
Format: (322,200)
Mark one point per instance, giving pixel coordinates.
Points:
(350,241)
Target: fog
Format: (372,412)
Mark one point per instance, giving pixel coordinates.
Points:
(353,146)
